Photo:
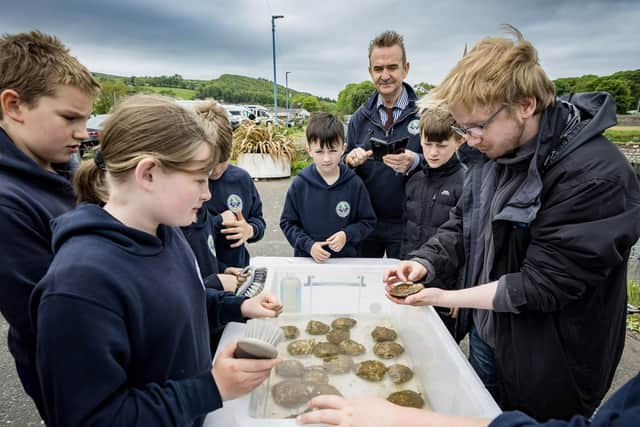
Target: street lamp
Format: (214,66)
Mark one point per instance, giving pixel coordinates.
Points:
(286,94)
(275,87)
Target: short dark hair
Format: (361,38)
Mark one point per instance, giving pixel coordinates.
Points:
(388,39)
(326,129)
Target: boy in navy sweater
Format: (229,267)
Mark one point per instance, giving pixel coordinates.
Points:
(235,204)
(205,234)
(433,190)
(45,99)
(327,211)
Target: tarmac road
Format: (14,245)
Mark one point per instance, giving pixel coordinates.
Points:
(17,410)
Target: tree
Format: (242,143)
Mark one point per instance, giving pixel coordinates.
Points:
(109,95)
(354,95)
(620,91)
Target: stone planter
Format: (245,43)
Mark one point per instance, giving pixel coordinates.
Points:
(264,166)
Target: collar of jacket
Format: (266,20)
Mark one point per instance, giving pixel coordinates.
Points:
(370,109)
(452,165)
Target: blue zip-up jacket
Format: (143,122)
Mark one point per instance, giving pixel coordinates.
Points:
(30,196)
(385,187)
(200,236)
(621,410)
(314,210)
(235,190)
(121,320)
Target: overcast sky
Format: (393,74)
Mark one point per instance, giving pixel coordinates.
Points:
(323,43)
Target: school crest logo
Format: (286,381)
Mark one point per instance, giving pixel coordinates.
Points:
(414,127)
(234,203)
(211,245)
(342,209)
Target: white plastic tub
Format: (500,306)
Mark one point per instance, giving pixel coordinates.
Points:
(355,286)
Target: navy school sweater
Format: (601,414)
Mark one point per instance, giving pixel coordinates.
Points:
(30,197)
(122,329)
(200,236)
(314,210)
(235,190)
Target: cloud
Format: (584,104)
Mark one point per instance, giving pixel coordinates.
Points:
(324,44)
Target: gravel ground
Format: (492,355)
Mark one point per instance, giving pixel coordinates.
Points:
(18,410)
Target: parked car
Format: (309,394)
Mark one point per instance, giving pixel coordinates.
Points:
(94,128)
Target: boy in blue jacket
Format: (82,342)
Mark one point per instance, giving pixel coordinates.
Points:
(45,99)
(327,211)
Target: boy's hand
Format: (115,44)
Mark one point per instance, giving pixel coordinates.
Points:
(337,241)
(229,282)
(262,305)
(357,156)
(237,229)
(235,377)
(400,162)
(317,253)
(240,274)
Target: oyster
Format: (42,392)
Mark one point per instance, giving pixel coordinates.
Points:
(344,323)
(318,389)
(315,327)
(380,333)
(291,393)
(371,370)
(301,347)
(351,348)
(406,398)
(388,349)
(399,373)
(324,349)
(315,374)
(404,289)
(339,364)
(336,336)
(290,368)
(290,332)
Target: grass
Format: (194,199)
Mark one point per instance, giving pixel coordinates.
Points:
(633,298)
(624,134)
(170,91)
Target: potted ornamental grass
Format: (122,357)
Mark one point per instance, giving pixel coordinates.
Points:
(264,151)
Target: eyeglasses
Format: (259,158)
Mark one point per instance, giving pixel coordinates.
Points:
(477,130)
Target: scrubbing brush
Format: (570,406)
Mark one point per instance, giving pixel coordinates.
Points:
(260,340)
(254,283)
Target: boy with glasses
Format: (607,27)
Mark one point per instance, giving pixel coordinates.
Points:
(541,235)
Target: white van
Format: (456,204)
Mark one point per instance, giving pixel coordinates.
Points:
(261,114)
(237,114)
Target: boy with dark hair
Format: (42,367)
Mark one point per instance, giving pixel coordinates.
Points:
(327,211)
(46,96)
(433,190)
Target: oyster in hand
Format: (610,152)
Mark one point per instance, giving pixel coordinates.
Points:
(404,289)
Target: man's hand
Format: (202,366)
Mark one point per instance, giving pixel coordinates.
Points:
(357,156)
(237,229)
(318,254)
(400,163)
(406,271)
(337,241)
